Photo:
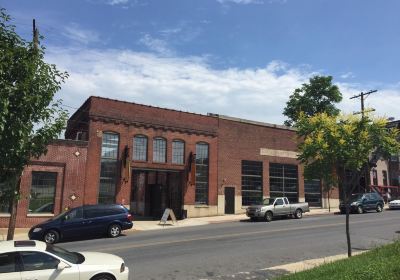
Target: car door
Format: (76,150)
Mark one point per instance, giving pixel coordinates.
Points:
(72,225)
(369,201)
(96,220)
(42,266)
(280,207)
(9,268)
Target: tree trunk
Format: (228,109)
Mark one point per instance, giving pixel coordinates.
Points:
(13,206)
(329,201)
(347,192)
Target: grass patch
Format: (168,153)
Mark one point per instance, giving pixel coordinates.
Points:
(382,263)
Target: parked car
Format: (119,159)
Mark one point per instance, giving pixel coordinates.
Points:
(394,204)
(279,206)
(37,260)
(84,221)
(46,208)
(362,202)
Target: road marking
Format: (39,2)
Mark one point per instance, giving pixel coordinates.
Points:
(132,246)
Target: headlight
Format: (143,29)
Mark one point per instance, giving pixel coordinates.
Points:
(258,210)
(122,269)
(37,229)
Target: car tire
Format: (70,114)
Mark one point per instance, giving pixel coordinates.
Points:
(114,230)
(103,277)
(51,237)
(253,219)
(360,210)
(342,211)
(298,214)
(268,216)
(379,208)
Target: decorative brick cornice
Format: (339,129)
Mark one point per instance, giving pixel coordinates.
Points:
(106,119)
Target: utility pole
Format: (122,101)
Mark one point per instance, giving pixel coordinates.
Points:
(35,35)
(367,169)
(362,95)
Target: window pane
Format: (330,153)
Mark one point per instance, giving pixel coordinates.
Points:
(42,192)
(283,181)
(312,192)
(140,148)
(109,168)
(109,147)
(159,150)
(178,152)
(252,182)
(38,261)
(7,263)
(201,195)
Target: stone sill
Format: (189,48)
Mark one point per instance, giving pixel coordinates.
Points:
(40,215)
(5,215)
(201,206)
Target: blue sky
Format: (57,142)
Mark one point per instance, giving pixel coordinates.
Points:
(236,57)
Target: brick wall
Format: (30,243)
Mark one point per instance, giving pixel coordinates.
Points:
(67,159)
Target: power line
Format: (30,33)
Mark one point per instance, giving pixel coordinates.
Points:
(363,95)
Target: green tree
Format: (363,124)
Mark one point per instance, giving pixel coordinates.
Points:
(340,147)
(29,118)
(318,96)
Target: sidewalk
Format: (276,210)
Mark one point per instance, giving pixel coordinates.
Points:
(22,233)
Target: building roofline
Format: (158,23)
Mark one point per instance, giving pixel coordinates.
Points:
(224,117)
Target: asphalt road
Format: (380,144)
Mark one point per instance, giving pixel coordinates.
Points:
(240,250)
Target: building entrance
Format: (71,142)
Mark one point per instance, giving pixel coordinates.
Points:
(155,190)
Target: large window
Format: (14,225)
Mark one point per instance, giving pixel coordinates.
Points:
(252,182)
(201,196)
(159,150)
(312,192)
(178,151)
(283,181)
(43,189)
(385,177)
(375,177)
(109,167)
(140,148)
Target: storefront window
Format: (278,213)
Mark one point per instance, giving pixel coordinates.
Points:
(108,171)
(252,182)
(283,181)
(201,196)
(42,193)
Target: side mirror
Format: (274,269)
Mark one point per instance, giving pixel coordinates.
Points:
(62,265)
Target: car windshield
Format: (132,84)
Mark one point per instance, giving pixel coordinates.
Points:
(71,257)
(269,201)
(355,197)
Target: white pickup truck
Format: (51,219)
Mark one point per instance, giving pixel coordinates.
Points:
(278,206)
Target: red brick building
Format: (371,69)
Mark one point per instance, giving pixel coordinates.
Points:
(150,158)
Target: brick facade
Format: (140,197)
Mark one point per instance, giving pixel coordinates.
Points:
(229,140)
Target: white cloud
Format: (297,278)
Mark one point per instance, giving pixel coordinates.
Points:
(79,35)
(191,84)
(156,45)
(117,2)
(347,75)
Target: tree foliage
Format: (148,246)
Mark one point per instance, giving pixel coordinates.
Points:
(29,118)
(318,96)
(339,148)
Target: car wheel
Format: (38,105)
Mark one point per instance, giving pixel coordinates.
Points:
(103,277)
(298,214)
(253,219)
(114,230)
(268,216)
(51,237)
(360,210)
(379,208)
(342,211)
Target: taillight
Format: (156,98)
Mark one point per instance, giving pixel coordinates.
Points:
(130,217)
(122,269)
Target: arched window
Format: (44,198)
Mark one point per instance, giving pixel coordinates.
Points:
(140,147)
(178,151)
(202,163)
(159,150)
(109,167)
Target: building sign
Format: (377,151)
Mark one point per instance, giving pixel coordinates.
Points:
(278,153)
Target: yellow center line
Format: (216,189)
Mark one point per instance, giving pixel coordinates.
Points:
(132,246)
